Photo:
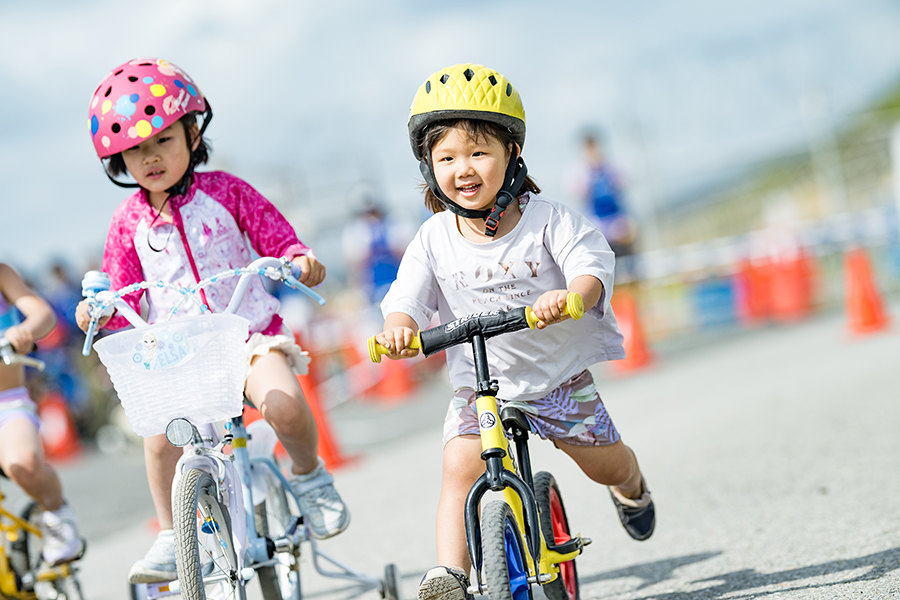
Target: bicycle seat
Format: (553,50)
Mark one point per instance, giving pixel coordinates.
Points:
(513,417)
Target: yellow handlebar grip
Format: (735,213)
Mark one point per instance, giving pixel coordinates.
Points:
(376,349)
(574,308)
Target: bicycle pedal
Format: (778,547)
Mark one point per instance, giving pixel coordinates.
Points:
(293,524)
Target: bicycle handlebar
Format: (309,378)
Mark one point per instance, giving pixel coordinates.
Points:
(103,302)
(11,357)
(488,324)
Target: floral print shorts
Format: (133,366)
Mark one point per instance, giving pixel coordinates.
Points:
(572,413)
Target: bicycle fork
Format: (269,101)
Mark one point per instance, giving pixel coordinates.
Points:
(500,475)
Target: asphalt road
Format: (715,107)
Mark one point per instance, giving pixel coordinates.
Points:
(772,457)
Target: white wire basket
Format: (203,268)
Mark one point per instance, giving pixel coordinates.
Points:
(192,367)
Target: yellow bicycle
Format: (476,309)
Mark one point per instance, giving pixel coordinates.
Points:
(23,574)
(532,509)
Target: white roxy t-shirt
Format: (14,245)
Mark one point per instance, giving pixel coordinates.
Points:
(550,246)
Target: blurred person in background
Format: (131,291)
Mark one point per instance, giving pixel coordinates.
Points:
(20,446)
(599,188)
(373,244)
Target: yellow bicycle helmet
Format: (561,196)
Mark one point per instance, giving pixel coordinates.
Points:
(466,91)
(469,91)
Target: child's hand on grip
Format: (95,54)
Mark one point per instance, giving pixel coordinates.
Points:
(83,316)
(550,307)
(398,340)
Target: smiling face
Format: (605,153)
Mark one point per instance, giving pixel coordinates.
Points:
(149,341)
(470,170)
(159,162)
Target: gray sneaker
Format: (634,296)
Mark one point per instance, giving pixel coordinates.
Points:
(322,507)
(444,583)
(159,563)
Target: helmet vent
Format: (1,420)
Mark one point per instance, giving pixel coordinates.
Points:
(116,128)
(469,73)
(445,78)
(119,71)
(108,90)
(493,80)
(427,87)
(132,78)
(145,65)
(509,89)
(149,109)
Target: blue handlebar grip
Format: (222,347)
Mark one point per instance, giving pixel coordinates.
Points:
(292,281)
(88,338)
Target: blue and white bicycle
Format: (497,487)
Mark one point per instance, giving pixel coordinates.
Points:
(235,516)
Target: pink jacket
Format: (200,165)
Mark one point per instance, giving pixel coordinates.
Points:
(213,224)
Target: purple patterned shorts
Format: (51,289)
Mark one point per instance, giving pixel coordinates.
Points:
(572,413)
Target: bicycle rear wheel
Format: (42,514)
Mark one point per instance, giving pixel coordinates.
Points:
(204,548)
(282,580)
(503,551)
(555,529)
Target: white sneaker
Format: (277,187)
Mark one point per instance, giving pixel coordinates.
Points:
(320,503)
(159,562)
(61,542)
(444,583)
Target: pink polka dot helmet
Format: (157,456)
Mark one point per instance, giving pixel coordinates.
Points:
(137,100)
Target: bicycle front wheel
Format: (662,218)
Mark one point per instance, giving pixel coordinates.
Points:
(204,549)
(503,551)
(555,529)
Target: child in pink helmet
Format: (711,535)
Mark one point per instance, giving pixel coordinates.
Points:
(20,446)
(181,226)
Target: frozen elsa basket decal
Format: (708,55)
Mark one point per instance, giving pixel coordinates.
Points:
(160,350)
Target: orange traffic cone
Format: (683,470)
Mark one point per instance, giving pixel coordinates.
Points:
(637,355)
(328,449)
(791,288)
(865,311)
(58,434)
(752,293)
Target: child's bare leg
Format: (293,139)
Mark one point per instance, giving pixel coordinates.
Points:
(614,465)
(462,466)
(617,467)
(22,461)
(273,388)
(160,458)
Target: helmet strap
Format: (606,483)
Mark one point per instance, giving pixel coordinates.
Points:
(181,188)
(516,172)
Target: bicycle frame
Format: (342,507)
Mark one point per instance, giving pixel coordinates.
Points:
(232,472)
(239,468)
(501,474)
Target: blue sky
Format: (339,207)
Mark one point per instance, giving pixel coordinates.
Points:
(311,98)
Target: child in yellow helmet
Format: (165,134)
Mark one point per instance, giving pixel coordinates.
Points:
(510,247)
